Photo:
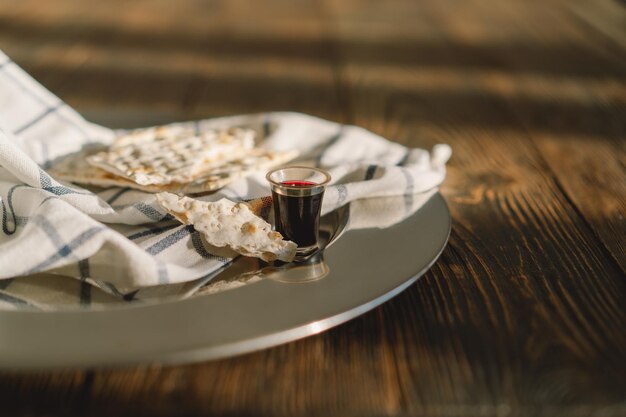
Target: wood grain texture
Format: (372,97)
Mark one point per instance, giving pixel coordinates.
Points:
(523,315)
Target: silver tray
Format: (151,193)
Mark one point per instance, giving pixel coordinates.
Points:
(366,268)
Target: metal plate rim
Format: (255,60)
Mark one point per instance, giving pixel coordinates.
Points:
(227,349)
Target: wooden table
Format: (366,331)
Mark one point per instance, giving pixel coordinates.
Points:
(523,315)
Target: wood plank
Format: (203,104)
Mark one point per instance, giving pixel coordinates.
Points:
(523,313)
(593,175)
(173,61)
(39,392)
(589,164)
(523,310)
(584,145)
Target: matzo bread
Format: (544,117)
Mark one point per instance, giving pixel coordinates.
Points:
(225,223)
(176,157)
(76,169)
(150,134)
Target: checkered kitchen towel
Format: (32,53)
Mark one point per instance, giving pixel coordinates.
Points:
(118,243)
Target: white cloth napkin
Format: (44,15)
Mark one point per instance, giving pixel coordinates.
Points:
(120,240)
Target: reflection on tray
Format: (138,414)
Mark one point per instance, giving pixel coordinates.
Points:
(245,270)
(361,214)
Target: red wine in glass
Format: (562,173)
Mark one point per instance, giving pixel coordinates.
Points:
(297,218)
(297,193)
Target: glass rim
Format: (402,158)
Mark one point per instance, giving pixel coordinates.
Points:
(326,180)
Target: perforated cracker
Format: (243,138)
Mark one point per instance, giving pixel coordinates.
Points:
(76,169)
(156,158)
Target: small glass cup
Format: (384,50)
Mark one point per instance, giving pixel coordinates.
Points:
(297,194)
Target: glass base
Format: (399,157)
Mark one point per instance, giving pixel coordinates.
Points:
(305,252)
(312,268)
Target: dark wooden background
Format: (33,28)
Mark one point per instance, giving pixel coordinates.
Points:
(523,315)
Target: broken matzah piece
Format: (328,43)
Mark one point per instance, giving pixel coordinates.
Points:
(157,158)
(226,223)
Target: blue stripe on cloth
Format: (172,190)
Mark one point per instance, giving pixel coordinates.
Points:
(85,287)
(198,245)
(38,119)
(47,185)
(168,241)
(45,200)
(404,157)
(8,209)
(107,286)
(67,249)
(25,89)
(15,300)
(152,231)
(5,211)
(266,126)
(44,179)
(369,174)
(149,211)
(49,230)
(5,219)
(21,220)
(62,190)
(342,194)
(117,195)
